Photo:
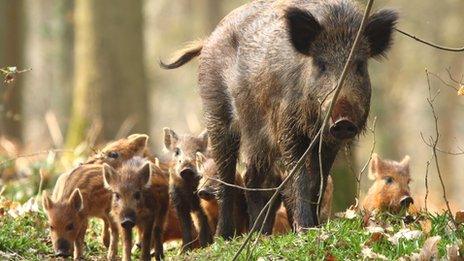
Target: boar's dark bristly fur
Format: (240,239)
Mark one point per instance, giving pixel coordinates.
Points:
(263,73)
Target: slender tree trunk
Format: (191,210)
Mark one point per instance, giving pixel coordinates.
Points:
(47,87)
(11,42)
(109,79)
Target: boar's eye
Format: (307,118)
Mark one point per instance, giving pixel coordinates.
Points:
(360,67)
(113,154)
(389,180)
(137,195)
(176,152)
(70,227)
(321,65)
(117,196)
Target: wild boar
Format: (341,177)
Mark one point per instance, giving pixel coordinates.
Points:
(140,199)
(390,191)
(81,196)
(207,190)
(183,183)
(264,74)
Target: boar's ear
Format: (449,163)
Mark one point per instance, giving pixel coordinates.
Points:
(108,175)
(145,174)
(140,141)
(303,28)
(76,200)
(379,31)
(200,160)
(405,163)
(170,138)
(47,202)
(204,138)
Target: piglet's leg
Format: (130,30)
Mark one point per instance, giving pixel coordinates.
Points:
(79,243)
(127,236)
(113,247)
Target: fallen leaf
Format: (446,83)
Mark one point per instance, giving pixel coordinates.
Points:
(460,217)
(430,249)
(426,226)
(367,253)
(405,234)
(461,91)
(374,238)
(452,253)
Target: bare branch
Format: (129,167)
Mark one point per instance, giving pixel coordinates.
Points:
(366,164)
(434,149)
(302,159)
(426,185)
(440,47)
(240,187)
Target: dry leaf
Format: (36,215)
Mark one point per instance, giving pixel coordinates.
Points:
(367,253)
(430,249)
(406,234)
(461,91)
(452,253)
(460,217)
(426,226)
(374,238)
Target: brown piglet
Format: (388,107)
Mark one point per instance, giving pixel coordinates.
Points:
(141,200)
(183,183)
(390,191)
(81,196)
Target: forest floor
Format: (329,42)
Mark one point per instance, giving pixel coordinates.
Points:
(24,236)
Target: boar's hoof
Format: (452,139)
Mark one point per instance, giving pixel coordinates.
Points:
(343,129)
(406,201)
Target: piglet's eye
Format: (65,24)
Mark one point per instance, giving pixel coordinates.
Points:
(137,195)
(113,154)
(117,196)
(177,152)
(389,180)
(52,228)
(70,226)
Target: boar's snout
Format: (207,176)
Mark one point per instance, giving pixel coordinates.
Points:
(406,201)
(128,220)
(206,194)
(63,248)
(343,129)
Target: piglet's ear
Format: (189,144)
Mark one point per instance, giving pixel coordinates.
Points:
(379,31)
(204,138)
(145,174)
(170,138)
(405,163)
(76,200)
(139,141)
(303,28)
(47,202)
(374,168)
(109,175)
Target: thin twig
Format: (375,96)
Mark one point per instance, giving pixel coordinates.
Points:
(240,187)
(363,169)
(337,92)
(440,47)
(302,159)
(33,155)
(426,185)
(443,81)
(435,140)
(460,82)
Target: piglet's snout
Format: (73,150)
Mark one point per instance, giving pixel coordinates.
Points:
(406,201)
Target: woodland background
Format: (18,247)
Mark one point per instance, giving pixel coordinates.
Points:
(95,77)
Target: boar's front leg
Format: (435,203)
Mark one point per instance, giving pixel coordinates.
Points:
(256,175)
(147,229)
(302,194)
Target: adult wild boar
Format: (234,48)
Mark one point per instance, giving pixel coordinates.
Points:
(263,74)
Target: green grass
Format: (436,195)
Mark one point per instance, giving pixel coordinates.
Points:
(26,238)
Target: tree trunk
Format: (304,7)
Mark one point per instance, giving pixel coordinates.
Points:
(11,26)
(109,78)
